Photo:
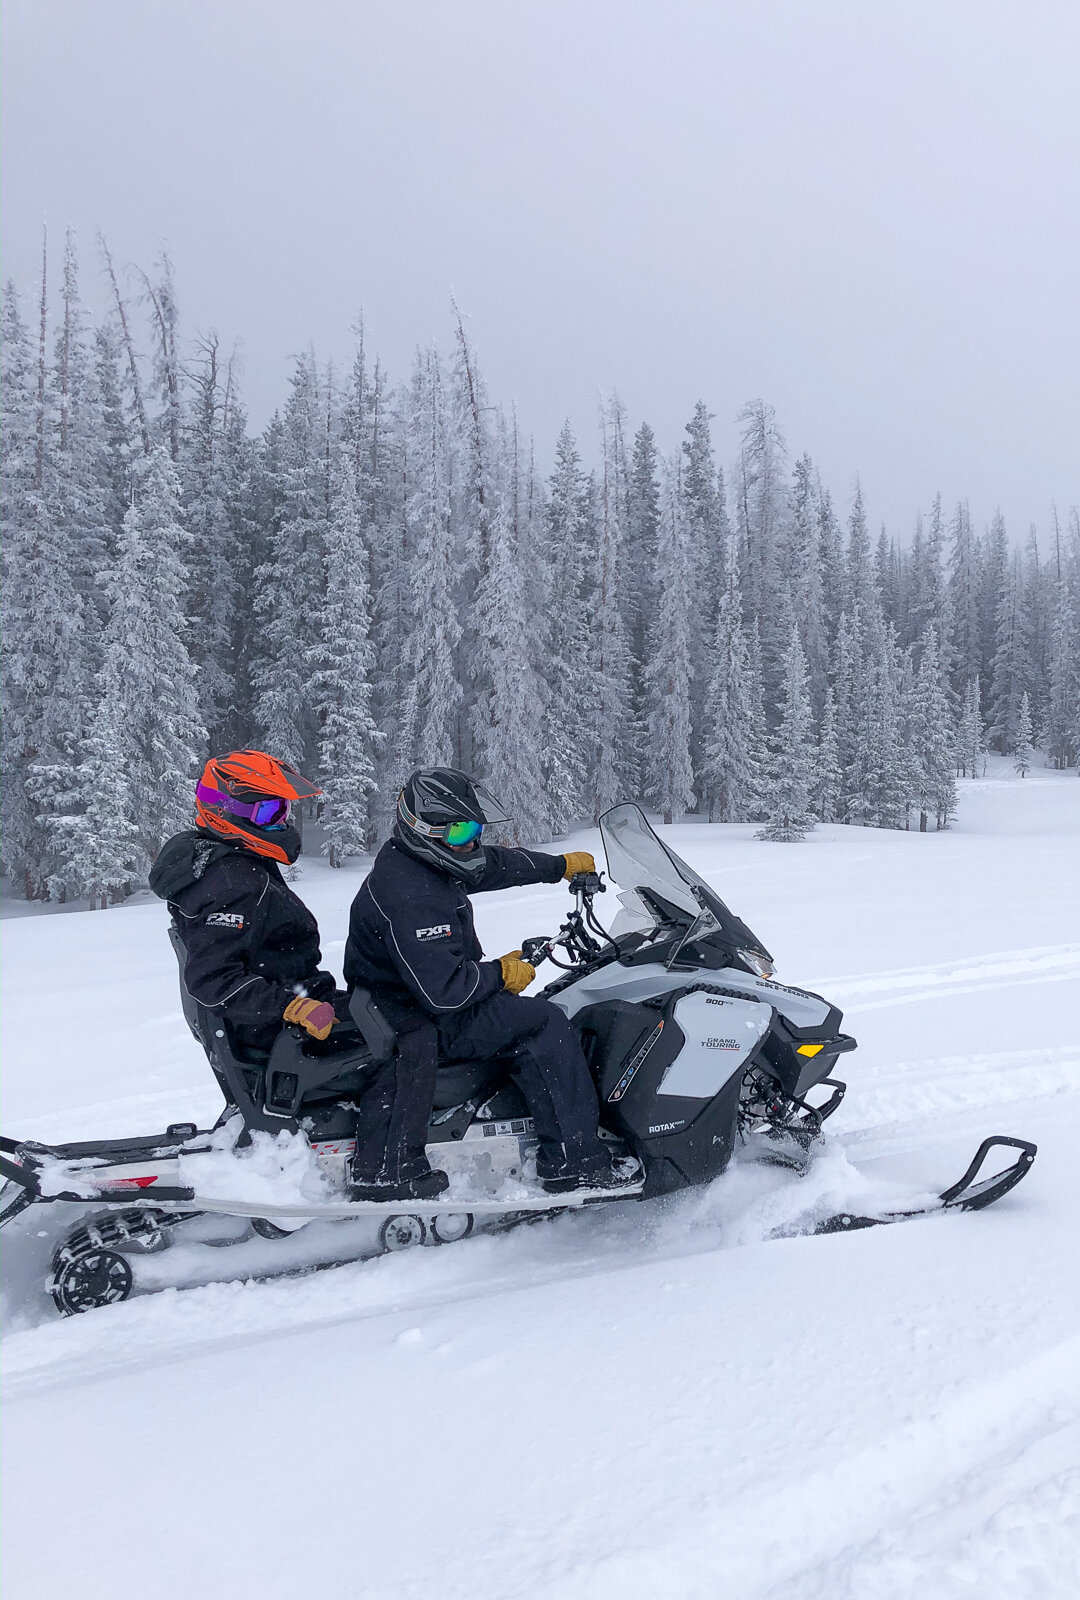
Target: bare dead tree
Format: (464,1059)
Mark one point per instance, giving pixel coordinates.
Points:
(133,366)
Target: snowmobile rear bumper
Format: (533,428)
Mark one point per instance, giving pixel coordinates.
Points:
(22,1182)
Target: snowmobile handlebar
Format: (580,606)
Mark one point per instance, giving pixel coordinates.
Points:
(574,936)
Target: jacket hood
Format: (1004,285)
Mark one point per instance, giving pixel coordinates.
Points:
(183,860)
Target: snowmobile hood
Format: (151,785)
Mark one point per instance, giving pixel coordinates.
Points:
(183,860)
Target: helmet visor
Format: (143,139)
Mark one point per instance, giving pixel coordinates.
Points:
(491,810)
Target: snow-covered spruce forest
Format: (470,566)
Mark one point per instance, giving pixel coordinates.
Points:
(385,576)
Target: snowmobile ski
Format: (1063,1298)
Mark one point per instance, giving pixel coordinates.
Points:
(967,1194)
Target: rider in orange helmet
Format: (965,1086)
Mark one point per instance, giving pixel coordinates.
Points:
(252,945)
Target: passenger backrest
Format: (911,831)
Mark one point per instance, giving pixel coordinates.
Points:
(379,1036)
(191,1008)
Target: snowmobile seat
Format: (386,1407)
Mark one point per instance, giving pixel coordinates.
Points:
(455,1082)
(458,1081)
(269,1088)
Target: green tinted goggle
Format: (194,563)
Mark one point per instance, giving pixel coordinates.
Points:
(459,833)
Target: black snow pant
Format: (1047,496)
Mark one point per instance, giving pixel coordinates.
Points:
(545,1059)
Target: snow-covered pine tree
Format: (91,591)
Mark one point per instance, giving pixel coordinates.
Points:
(212,479)
(288,585)
(44,663)
(82,470)
(340,666)
(374,434)
(933,737)
(431,572)
(508,714)
(878,775)
(760,502)
(1008,669)
(669,777)
(847,684)
(859,587)
(792,754)
(122,444)
(1063,665)
(799,570)
(965,588)
(1023,753)
(471,472)
(566,550)
(733,773)
(829,776)
(831,554)
(970,755)
(995,584)
(89,805)
(147,675)
(612,763)
(640,570)
(887,577)
(706,526)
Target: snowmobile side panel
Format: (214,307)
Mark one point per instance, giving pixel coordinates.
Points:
(720,1034)
(683,1138)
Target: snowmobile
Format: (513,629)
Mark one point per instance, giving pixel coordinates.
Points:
(696,1051)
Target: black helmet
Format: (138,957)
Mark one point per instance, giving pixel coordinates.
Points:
(435,807)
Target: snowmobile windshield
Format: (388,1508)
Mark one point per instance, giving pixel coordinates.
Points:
(662,883)
(637,860)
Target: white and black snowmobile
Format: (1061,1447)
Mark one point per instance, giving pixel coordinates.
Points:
(695,1050)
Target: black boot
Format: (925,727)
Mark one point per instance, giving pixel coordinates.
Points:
(424,1186)
(623,1172)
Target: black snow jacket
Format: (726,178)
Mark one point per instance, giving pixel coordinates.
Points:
(411,934)
(252,945)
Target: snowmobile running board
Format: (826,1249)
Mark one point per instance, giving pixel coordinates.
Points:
(964,1195)
(174,1199)
(967,1194)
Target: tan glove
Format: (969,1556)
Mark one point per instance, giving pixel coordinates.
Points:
(578,861)
(317,1016)
(517,974)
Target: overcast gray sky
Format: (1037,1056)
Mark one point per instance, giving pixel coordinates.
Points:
(868,212)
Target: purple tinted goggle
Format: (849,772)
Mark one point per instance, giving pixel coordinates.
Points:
(263,813)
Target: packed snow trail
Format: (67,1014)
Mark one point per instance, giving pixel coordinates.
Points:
(648,1401)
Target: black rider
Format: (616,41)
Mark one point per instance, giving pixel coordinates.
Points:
(252,945)
(413,944)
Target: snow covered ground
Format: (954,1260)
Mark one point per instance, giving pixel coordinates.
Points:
(652,1401)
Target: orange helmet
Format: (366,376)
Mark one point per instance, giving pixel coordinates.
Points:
(246,796)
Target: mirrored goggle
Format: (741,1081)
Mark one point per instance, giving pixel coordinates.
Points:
(459,833)
(263,813)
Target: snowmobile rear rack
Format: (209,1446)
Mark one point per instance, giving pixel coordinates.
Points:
(964,1195)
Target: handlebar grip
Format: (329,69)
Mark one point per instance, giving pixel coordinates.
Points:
(587,883)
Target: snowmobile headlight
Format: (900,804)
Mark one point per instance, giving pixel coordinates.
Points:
(758,963)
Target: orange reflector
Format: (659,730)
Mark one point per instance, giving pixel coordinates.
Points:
(809,1049)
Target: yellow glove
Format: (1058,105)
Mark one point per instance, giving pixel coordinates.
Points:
(317,1016)
(517,974)
(578,861)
